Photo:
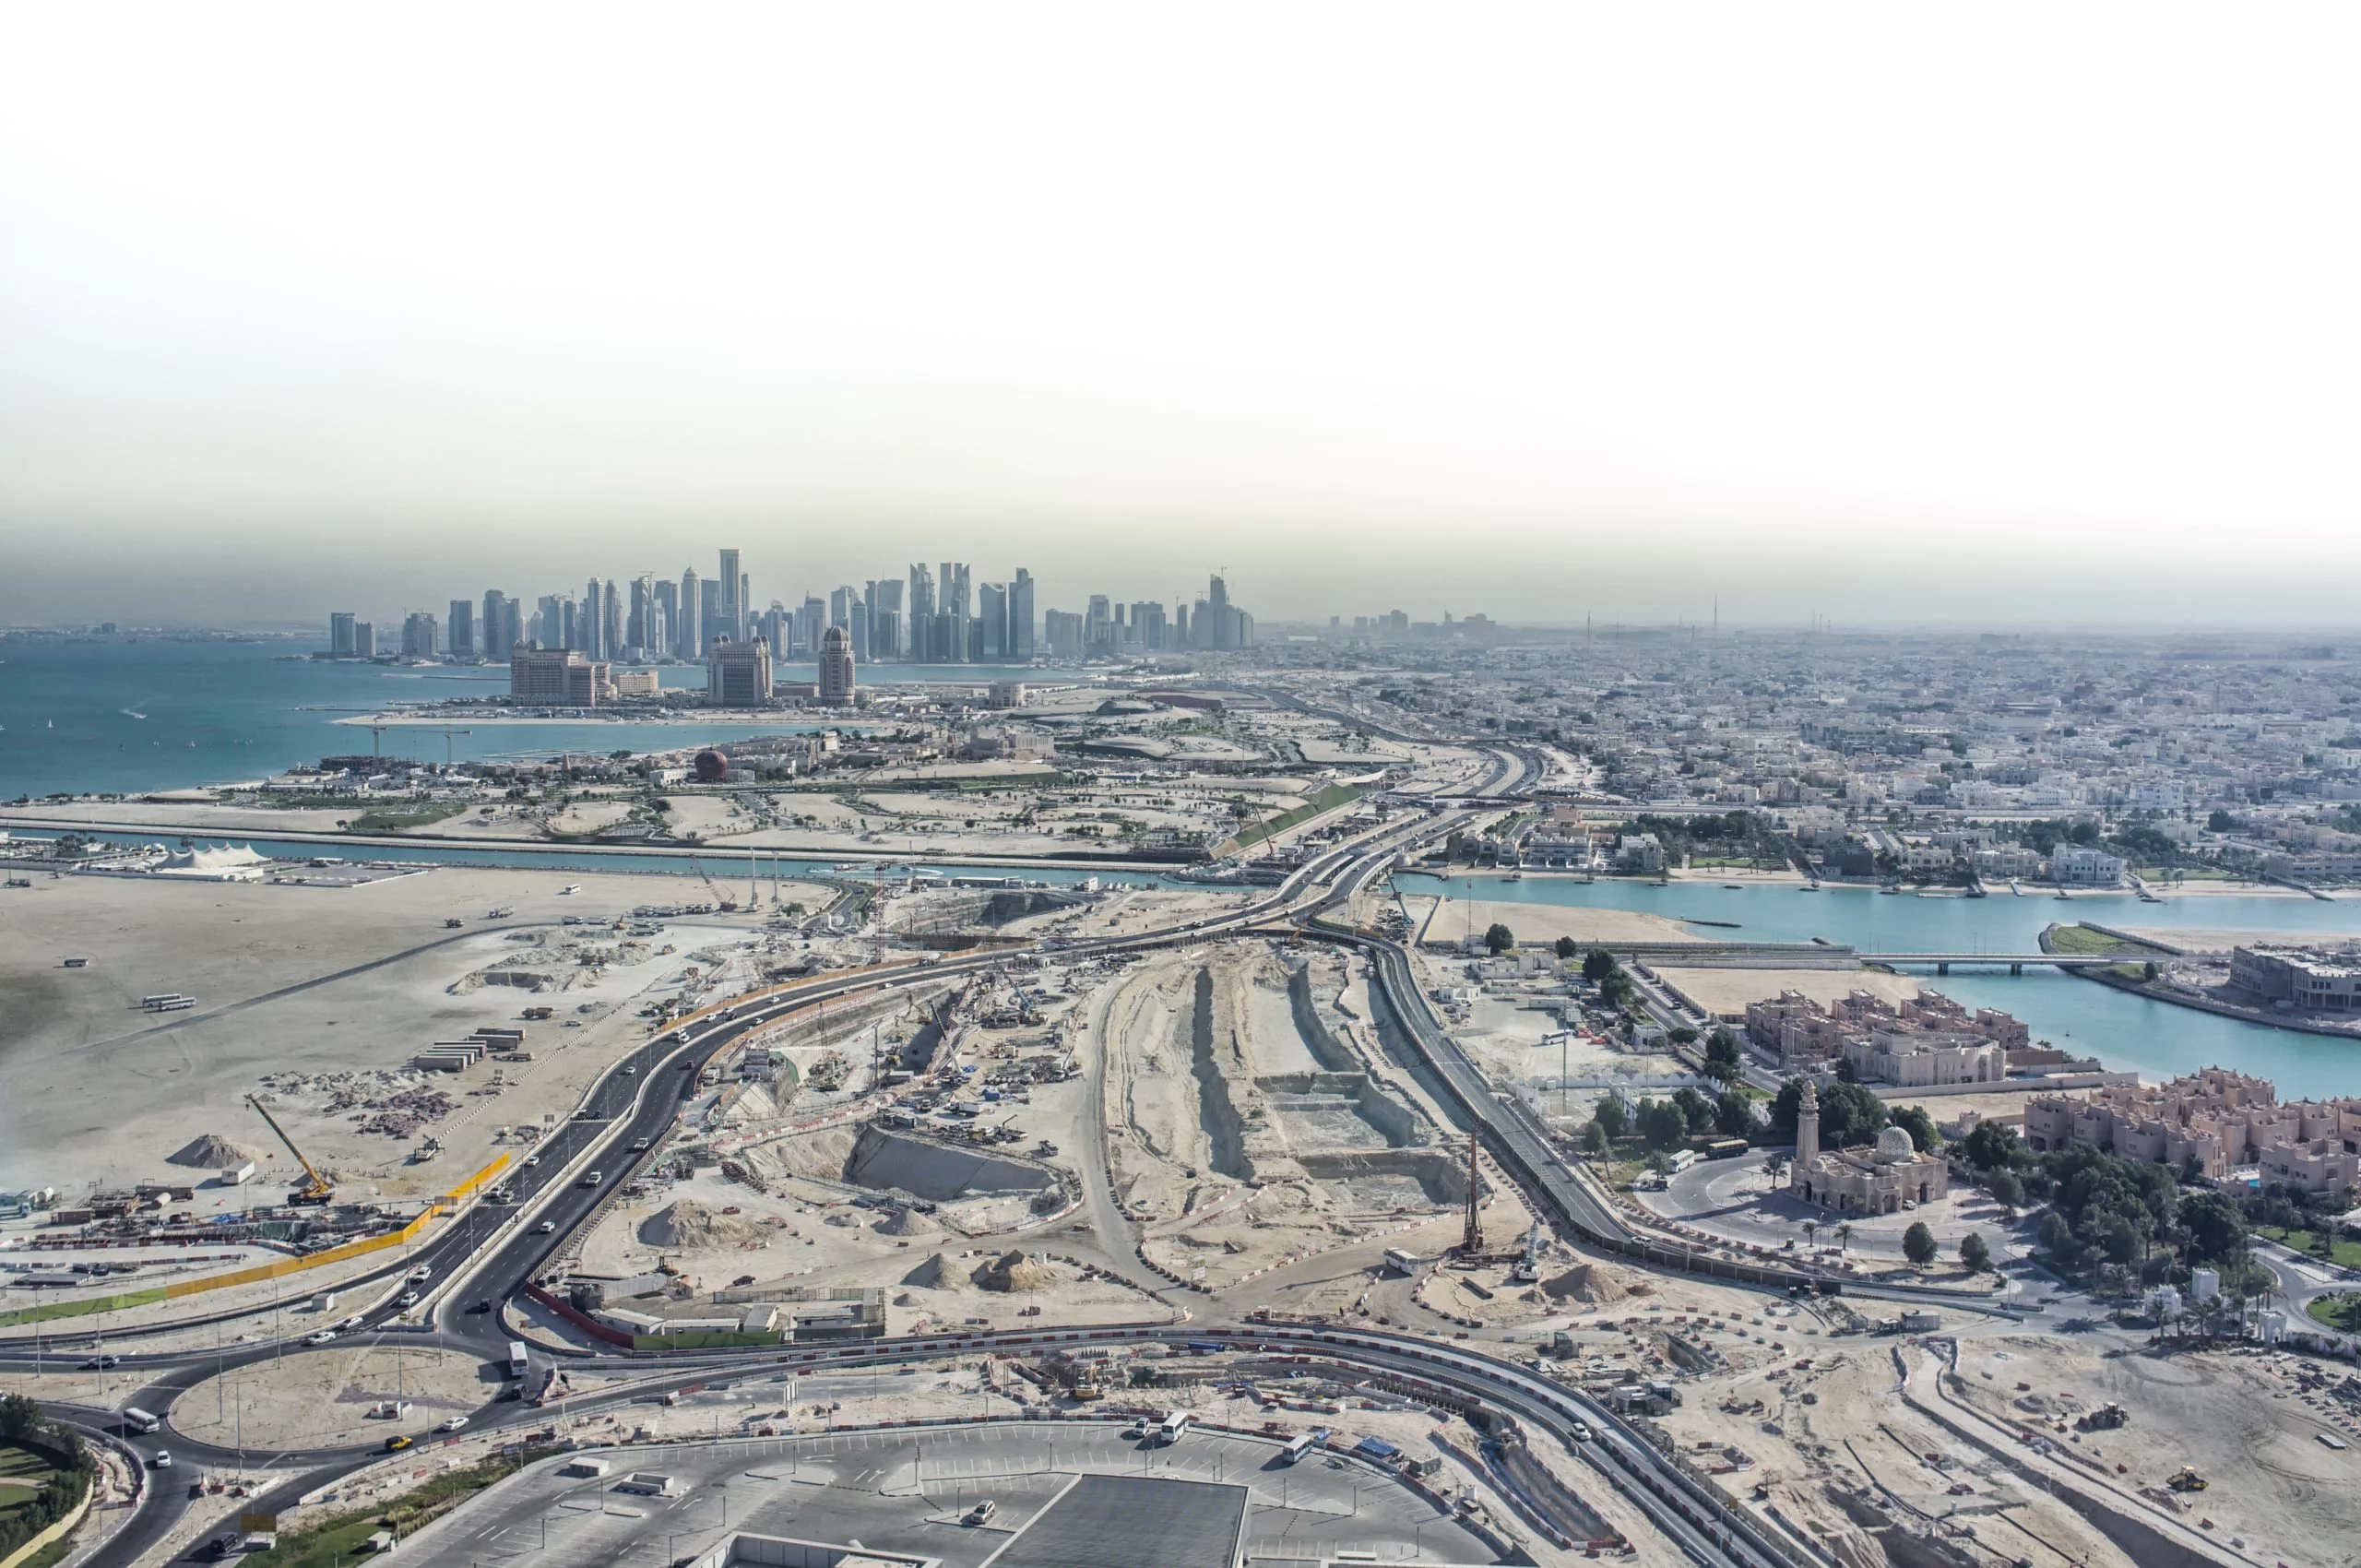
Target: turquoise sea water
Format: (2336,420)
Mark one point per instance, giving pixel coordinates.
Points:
(2154,1038)
(134,716)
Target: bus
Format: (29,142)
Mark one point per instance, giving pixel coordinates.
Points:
(1681,1159)
(1304,1444)
(520,1363)
(1173,1425)
(140,1420)
(1726,1148)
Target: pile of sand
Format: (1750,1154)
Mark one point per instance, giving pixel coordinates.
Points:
(907,1222)
(753,1103)
(1593,1282)
(693,1225)
(1014,1271)
(214,1152)
(928,1275)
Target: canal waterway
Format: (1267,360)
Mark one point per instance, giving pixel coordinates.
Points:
(2127,1033)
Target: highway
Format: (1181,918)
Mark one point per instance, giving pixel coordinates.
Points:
(489,1253)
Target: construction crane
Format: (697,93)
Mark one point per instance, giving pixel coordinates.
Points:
(319,1189)
(722,901)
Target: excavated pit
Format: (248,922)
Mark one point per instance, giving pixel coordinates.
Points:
(1217,1113)
(1386,1179)
(887,1162)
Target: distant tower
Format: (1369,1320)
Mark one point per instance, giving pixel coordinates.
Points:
(836,667)
(1471,1243)
(1806,1136)
(731,622)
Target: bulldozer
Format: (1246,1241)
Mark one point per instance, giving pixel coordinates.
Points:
(2186,1479)
(2106,1418)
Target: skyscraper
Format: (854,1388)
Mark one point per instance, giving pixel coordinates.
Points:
(1020,618)
(494,620)
(921,612)
(688,640)
(731,620)
(341,624)
(954,614)
(610,619)
(419,634)
(836,667)
(461,628)
(991,612)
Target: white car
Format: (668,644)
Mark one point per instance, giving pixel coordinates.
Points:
(531,1160)
(322,1338)
(546,1228)
(454,1424)
(163,1460)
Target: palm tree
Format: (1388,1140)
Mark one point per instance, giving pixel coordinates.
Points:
(1811,1229)
(1844,1235)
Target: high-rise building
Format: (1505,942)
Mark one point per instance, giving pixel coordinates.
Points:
(810,622)
(688,640)
(729,619)
(922,647)
(644,631)
(738,675)
(341,624)
(461,628)
(956,617)
(668,605)
(1147,627)
(420,635)
(1020,617)
(1098,625)
(555,677)
(495,615)
(992,617)
(836,667)
(611,620)
(364,640)
(1062,629)
(840,603)
(888,628)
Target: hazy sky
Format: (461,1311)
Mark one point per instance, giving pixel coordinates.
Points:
(1897,313)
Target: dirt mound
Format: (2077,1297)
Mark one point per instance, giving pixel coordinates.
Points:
(1014,1271)
(903,1298)
(690,1224)
(907,1222)
(214,1152)
(928,1275)
(1593,1282)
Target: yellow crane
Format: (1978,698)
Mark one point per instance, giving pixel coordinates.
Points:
(319,1189)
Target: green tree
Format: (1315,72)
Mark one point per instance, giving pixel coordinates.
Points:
(1593,1137)
(1497,938)
(1850,1114)
(1733,1115)
(1974,1255)
(1991,1146)
(2006,1190)
(1613,1118)
(1722,1060)
(2215,1228)
(1913,1119)
(1567,947)
(1696,1110)
(1598,964)
(2056,1236)
(1661,1123)
(1918,1244)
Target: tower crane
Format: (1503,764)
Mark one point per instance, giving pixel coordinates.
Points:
(319,1189)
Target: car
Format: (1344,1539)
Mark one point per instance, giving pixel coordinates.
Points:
(592,1179)
(981,1513)
(421,1275)
(163,1460)
(480,1307)
(102,1363)
(322,1338)
(408,1299)
(631,1072)
(641,1145)
(454,1424)
(546,1228)
(396,1443)
(531,1160)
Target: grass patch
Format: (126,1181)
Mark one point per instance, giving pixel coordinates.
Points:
(1327,800)
(2081,941)
(49,1311)
(54,1553)
(339,1538)
(2342,1254)
(2340,1312)
(385,819)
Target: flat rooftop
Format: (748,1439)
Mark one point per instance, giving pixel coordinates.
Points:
(1133,1522)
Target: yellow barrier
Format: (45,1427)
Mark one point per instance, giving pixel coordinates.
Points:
(278,1268)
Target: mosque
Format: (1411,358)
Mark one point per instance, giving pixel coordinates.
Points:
(1876,1179)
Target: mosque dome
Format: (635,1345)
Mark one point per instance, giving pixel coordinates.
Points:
(1894,1143)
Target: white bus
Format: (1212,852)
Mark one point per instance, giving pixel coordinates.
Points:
(1173,1425)
(1304,1444)
(138,1420)
(520,1363)
(1682,1158)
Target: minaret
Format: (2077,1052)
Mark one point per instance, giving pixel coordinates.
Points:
(1806,1135)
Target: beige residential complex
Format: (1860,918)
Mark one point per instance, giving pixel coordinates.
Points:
(1928,1040)
(2222,1120)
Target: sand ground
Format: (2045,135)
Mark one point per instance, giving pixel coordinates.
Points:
(1540,925)
(1725,992)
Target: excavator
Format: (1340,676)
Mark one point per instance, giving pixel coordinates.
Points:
(319,1189)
